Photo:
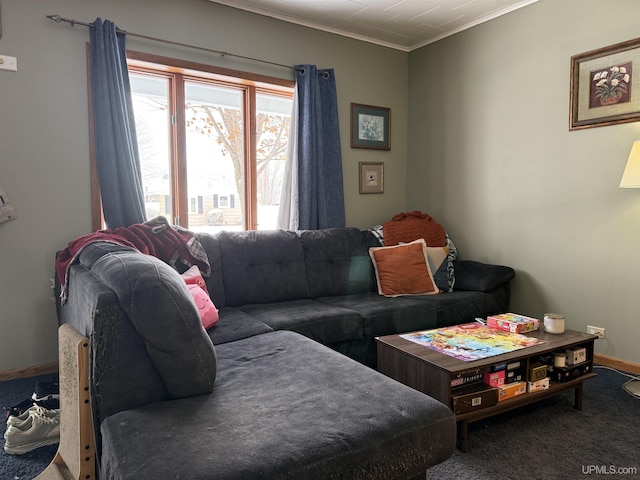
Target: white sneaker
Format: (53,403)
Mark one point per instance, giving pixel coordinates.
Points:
(24,416)
(37,430)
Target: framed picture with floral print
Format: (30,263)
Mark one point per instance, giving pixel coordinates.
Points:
(604,88)
(370,127)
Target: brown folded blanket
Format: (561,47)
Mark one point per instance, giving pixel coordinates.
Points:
(409,226)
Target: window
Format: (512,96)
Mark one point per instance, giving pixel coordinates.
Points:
(201,165)
(195,205)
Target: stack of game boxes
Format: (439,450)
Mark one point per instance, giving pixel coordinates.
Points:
(565,365)
(513,322)
(508,378)
(537,377)
(485,387)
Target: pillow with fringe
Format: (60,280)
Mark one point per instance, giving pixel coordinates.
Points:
(403,270)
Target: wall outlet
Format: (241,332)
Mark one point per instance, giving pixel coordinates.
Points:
(8,63)
(598,331)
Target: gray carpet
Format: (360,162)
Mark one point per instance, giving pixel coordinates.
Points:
(29,465)
(546,441)
(552,440)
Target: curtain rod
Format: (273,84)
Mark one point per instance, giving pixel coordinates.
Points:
(58,19)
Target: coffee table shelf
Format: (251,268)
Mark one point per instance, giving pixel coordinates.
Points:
(432,372)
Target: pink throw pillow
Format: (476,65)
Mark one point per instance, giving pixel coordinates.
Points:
(206,309)
(194,277)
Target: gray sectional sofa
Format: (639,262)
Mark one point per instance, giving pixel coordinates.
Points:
(321,283)
(260,395)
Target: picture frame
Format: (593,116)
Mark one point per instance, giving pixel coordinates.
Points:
(371,177)
(370,127)
(603,86)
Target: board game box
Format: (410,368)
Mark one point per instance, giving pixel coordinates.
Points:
(511,390)
(513,322)
(473,397)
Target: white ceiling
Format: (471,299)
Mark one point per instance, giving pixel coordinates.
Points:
(401,24)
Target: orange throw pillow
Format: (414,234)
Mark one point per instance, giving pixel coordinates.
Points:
(403,270)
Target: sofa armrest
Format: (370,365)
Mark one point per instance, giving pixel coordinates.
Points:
(152,303)
(158,305)
(481,277)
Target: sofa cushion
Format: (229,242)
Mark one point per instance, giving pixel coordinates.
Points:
(460,307)
(386,315)
(403,270)
(236,325)
(318,321)
(158,304)
(283,407)
(250,257)
(337,262)
(215,285)
(481,277)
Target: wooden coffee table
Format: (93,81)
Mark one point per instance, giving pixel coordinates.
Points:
(433,373)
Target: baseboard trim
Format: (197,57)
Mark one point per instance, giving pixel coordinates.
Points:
(616,363)
(27,372)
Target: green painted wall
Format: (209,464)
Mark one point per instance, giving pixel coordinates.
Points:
(490,155)
(483,145)
(44,162)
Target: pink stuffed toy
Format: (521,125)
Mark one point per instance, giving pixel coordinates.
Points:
(206,309)
(193,276)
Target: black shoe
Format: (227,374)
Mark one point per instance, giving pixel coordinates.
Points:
(52,404)
(19,408)
(46,391)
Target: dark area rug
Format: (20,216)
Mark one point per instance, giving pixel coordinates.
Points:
(31,464)
(545,441)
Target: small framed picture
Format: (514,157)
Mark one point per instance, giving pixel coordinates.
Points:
(370,127)
(602,89)
(371,177)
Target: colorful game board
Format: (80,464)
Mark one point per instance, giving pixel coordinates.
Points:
(471,341)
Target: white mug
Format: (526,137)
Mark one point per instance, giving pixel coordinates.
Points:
(553,323)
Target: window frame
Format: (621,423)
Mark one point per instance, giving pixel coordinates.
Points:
(178,72)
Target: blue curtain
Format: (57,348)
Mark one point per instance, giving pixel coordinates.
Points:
(319,165)
(115,132)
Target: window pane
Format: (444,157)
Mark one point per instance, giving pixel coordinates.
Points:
(273,118)
(149,94)
(215,156)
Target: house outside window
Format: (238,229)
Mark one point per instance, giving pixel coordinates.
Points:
(195,205)
(201,166)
